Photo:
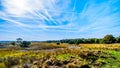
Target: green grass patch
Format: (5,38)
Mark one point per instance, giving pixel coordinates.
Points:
(113,61)
(66,56)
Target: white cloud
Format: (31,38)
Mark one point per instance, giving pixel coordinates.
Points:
(15,7)
(55,12)
(96,17)
(60,15)
(39,9)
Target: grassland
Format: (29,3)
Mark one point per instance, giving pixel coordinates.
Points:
(51,55)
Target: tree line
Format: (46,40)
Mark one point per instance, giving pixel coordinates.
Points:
(108,39)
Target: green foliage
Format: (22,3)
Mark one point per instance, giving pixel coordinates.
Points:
(25,44)
(71,42)
(81,40)
(19,40)
(118,39)
(108,39)
(2,65)
(65,56)
(22,43)
(13,43)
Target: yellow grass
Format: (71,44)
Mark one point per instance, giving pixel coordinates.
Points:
(100,46)
(8,56)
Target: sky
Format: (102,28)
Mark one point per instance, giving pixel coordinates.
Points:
(58,19)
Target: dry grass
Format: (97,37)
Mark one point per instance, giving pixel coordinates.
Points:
(88,55)
(40,46)
(101,46)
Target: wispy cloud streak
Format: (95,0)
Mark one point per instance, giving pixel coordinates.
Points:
(71,16)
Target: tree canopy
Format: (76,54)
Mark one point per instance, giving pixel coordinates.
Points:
(22,43)
(108,39)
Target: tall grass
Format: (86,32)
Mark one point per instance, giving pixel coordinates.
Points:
(88,55)
(101,46)
(40,46)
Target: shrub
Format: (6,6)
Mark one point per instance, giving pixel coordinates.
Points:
(11,61)
(13,43)
(25,44)
(58,43)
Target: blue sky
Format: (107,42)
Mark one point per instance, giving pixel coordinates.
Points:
(58,19)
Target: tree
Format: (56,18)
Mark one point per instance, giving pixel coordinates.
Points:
(19,40)
(25,44)
(97,40)
(118,39)
(108,39)
(71,42)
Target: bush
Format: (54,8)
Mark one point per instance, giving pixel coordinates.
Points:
(25,44)
(13,43)
(10,61)
(58,43)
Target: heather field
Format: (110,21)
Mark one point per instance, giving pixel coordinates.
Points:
(51,55)
(59,33)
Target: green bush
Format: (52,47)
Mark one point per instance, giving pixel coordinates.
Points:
(25,44)
(13,43)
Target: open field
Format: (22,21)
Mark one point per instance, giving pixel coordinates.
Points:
(59,33)
(51,55)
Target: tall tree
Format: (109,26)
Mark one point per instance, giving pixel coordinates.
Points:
(19,40)
(108,39)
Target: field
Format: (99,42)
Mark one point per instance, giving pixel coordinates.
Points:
(51,55)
